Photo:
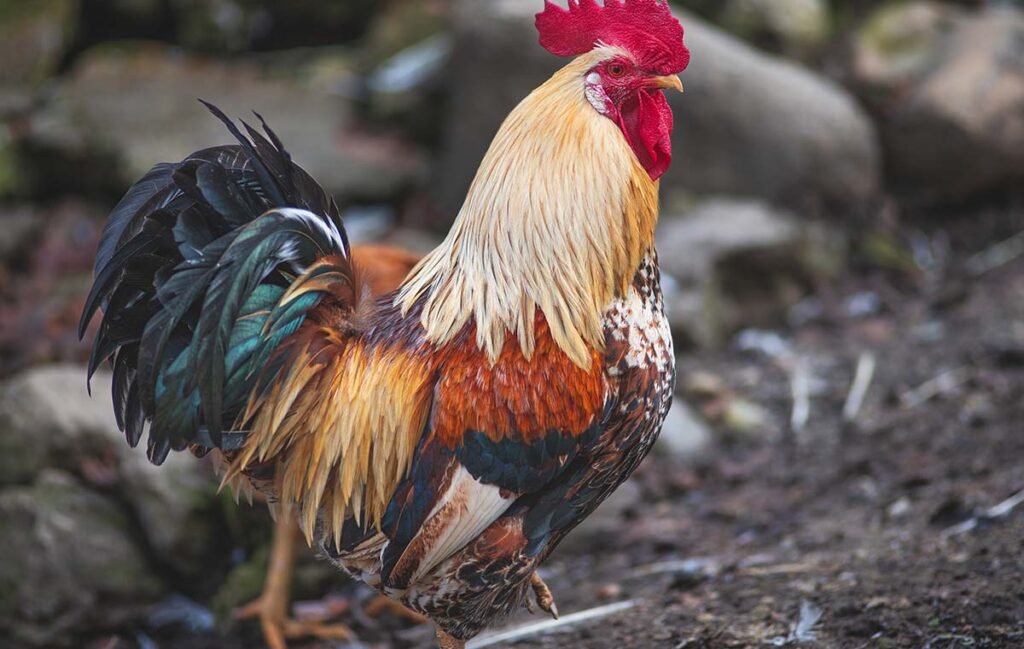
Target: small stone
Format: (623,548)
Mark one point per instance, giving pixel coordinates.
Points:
(609,591)
(739,263)
(684,436)
(899,508)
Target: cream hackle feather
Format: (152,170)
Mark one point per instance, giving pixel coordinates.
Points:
(558,218)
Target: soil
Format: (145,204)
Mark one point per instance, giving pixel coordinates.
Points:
(878,532)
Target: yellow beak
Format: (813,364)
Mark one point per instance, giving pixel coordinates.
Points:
(667,82)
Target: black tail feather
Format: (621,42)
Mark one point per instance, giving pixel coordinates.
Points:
(188,273)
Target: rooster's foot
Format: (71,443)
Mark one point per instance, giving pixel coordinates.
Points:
(278,627)
(271,608)
(545,600)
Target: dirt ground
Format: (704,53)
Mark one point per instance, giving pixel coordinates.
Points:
(882,532)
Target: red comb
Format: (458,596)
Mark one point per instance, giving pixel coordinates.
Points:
(646,28)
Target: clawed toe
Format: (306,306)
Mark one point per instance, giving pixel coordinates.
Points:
(545,600)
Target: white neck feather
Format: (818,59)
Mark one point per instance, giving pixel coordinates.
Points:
(557,219)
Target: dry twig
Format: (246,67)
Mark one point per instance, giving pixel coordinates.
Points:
(800,385)
(945,382)
(512,635)
(996,256)
(859,388)
(995,512)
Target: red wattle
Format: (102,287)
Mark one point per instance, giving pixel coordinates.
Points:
(646,121)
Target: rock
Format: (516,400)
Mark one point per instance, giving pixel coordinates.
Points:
(754,125)
(948,86)
(48,420)
(139,103)
(45,414)
(896,42)
(793,27)
(722,407)
(694,243)
(749,123)
(177,506)
(242,585)
(737,263)
(684,437)
(67,563)
(33,38)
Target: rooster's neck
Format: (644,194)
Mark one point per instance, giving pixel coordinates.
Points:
(558,218)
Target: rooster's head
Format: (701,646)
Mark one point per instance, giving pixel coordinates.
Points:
(642,51)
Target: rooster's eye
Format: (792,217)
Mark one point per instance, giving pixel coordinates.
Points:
(615,70)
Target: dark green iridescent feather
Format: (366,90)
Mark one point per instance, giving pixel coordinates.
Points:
(191,269)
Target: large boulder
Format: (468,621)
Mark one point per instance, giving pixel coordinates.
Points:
(68,563)
(48,420)
(748,124)
(948,86)
(756,125)
(138,102)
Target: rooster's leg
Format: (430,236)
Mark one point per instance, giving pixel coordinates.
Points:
(445,641)
(272,606)
(545,599)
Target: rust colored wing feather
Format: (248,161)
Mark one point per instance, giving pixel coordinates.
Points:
(496,433)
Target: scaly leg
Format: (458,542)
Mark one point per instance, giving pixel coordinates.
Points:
(544,597)
(445,641)
(272,606)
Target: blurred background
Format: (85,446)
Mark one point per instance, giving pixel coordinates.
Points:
(842,239)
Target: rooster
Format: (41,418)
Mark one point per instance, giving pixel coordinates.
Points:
(437,442)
